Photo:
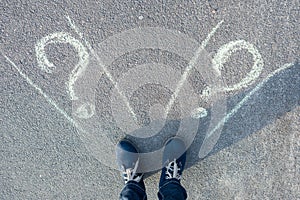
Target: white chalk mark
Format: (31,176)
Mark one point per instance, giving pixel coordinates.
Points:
(47,66)
(48,99)
(105,70)
(206,92)
(226,51)
(199,113)
(85,111)
(190,66)
(246,98)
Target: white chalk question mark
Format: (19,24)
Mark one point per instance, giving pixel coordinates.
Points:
(49,67)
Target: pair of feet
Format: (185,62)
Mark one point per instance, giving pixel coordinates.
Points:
(172,164)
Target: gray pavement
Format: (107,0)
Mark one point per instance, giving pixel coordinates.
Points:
(48,152)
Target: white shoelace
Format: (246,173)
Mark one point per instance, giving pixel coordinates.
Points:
(130,174)
(172,170)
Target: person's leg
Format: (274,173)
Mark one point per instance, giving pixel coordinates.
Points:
(133,191)
(174,158)
(128,162)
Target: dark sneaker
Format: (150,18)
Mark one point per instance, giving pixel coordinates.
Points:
(174,158)
(128,162)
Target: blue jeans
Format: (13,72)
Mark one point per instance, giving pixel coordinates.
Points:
(172,190)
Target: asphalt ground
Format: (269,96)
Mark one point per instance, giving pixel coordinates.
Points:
(51,149)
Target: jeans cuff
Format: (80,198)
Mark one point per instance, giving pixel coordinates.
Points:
(172,188)
(132,190)
(171,181)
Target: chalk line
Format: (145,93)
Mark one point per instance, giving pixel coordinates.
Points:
(48,99)
(198,113)
(246,98)
(76,29)
(190,66)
